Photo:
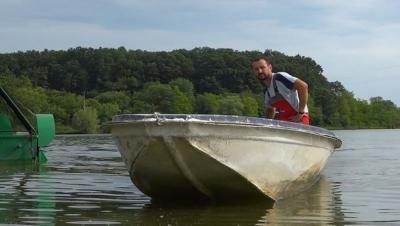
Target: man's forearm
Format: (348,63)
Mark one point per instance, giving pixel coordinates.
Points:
(302,90)
(303,98)
(269,113)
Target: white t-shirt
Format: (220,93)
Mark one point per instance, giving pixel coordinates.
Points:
(284,84)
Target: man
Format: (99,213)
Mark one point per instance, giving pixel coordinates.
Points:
(285,96)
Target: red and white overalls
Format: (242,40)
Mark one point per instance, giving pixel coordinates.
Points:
(282,96)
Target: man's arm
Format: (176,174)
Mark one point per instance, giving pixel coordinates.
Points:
(302,90)
(269,112)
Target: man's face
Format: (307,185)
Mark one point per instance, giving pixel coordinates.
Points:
(262,69)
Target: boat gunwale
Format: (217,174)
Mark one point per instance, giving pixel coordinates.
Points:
(223,120)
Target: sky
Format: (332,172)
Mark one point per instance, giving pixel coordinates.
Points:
(356,42)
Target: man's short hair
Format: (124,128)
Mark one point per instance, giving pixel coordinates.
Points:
(261,58)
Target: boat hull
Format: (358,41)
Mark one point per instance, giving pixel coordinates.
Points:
(180,158)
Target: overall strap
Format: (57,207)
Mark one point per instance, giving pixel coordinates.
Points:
(275,88)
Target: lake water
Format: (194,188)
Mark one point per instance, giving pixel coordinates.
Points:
(85,182)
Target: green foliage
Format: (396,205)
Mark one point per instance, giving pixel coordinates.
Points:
(181,103)
(184,86)
(207,103)
(64,105)
(250,105)
(202,80)
(231,105)
(315,111)
(157,97)
(105,111)
(11,83)
(85,121)
(228,103)
(184,91)
(32,98)
(160,97)
(119,98)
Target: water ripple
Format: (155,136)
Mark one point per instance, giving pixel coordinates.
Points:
(85,182)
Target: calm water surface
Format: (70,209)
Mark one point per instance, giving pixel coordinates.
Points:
(85,182)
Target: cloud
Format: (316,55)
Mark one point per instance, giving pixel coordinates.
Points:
(354,41)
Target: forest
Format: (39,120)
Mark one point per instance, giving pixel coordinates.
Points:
(85,87)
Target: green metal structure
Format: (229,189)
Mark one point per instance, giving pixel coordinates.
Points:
(19,138)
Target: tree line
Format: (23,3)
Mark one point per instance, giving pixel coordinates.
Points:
(85,87)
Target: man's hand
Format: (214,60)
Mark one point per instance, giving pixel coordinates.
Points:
(297,118)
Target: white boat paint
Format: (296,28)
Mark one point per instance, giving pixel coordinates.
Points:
(221,156)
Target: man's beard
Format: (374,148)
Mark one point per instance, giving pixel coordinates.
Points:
(262,79)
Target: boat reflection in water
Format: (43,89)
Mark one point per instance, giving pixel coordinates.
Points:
(219,156)
(321,205)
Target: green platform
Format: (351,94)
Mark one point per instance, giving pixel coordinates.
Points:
(20,138)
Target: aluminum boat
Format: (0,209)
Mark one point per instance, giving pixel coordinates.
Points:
(220,156)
